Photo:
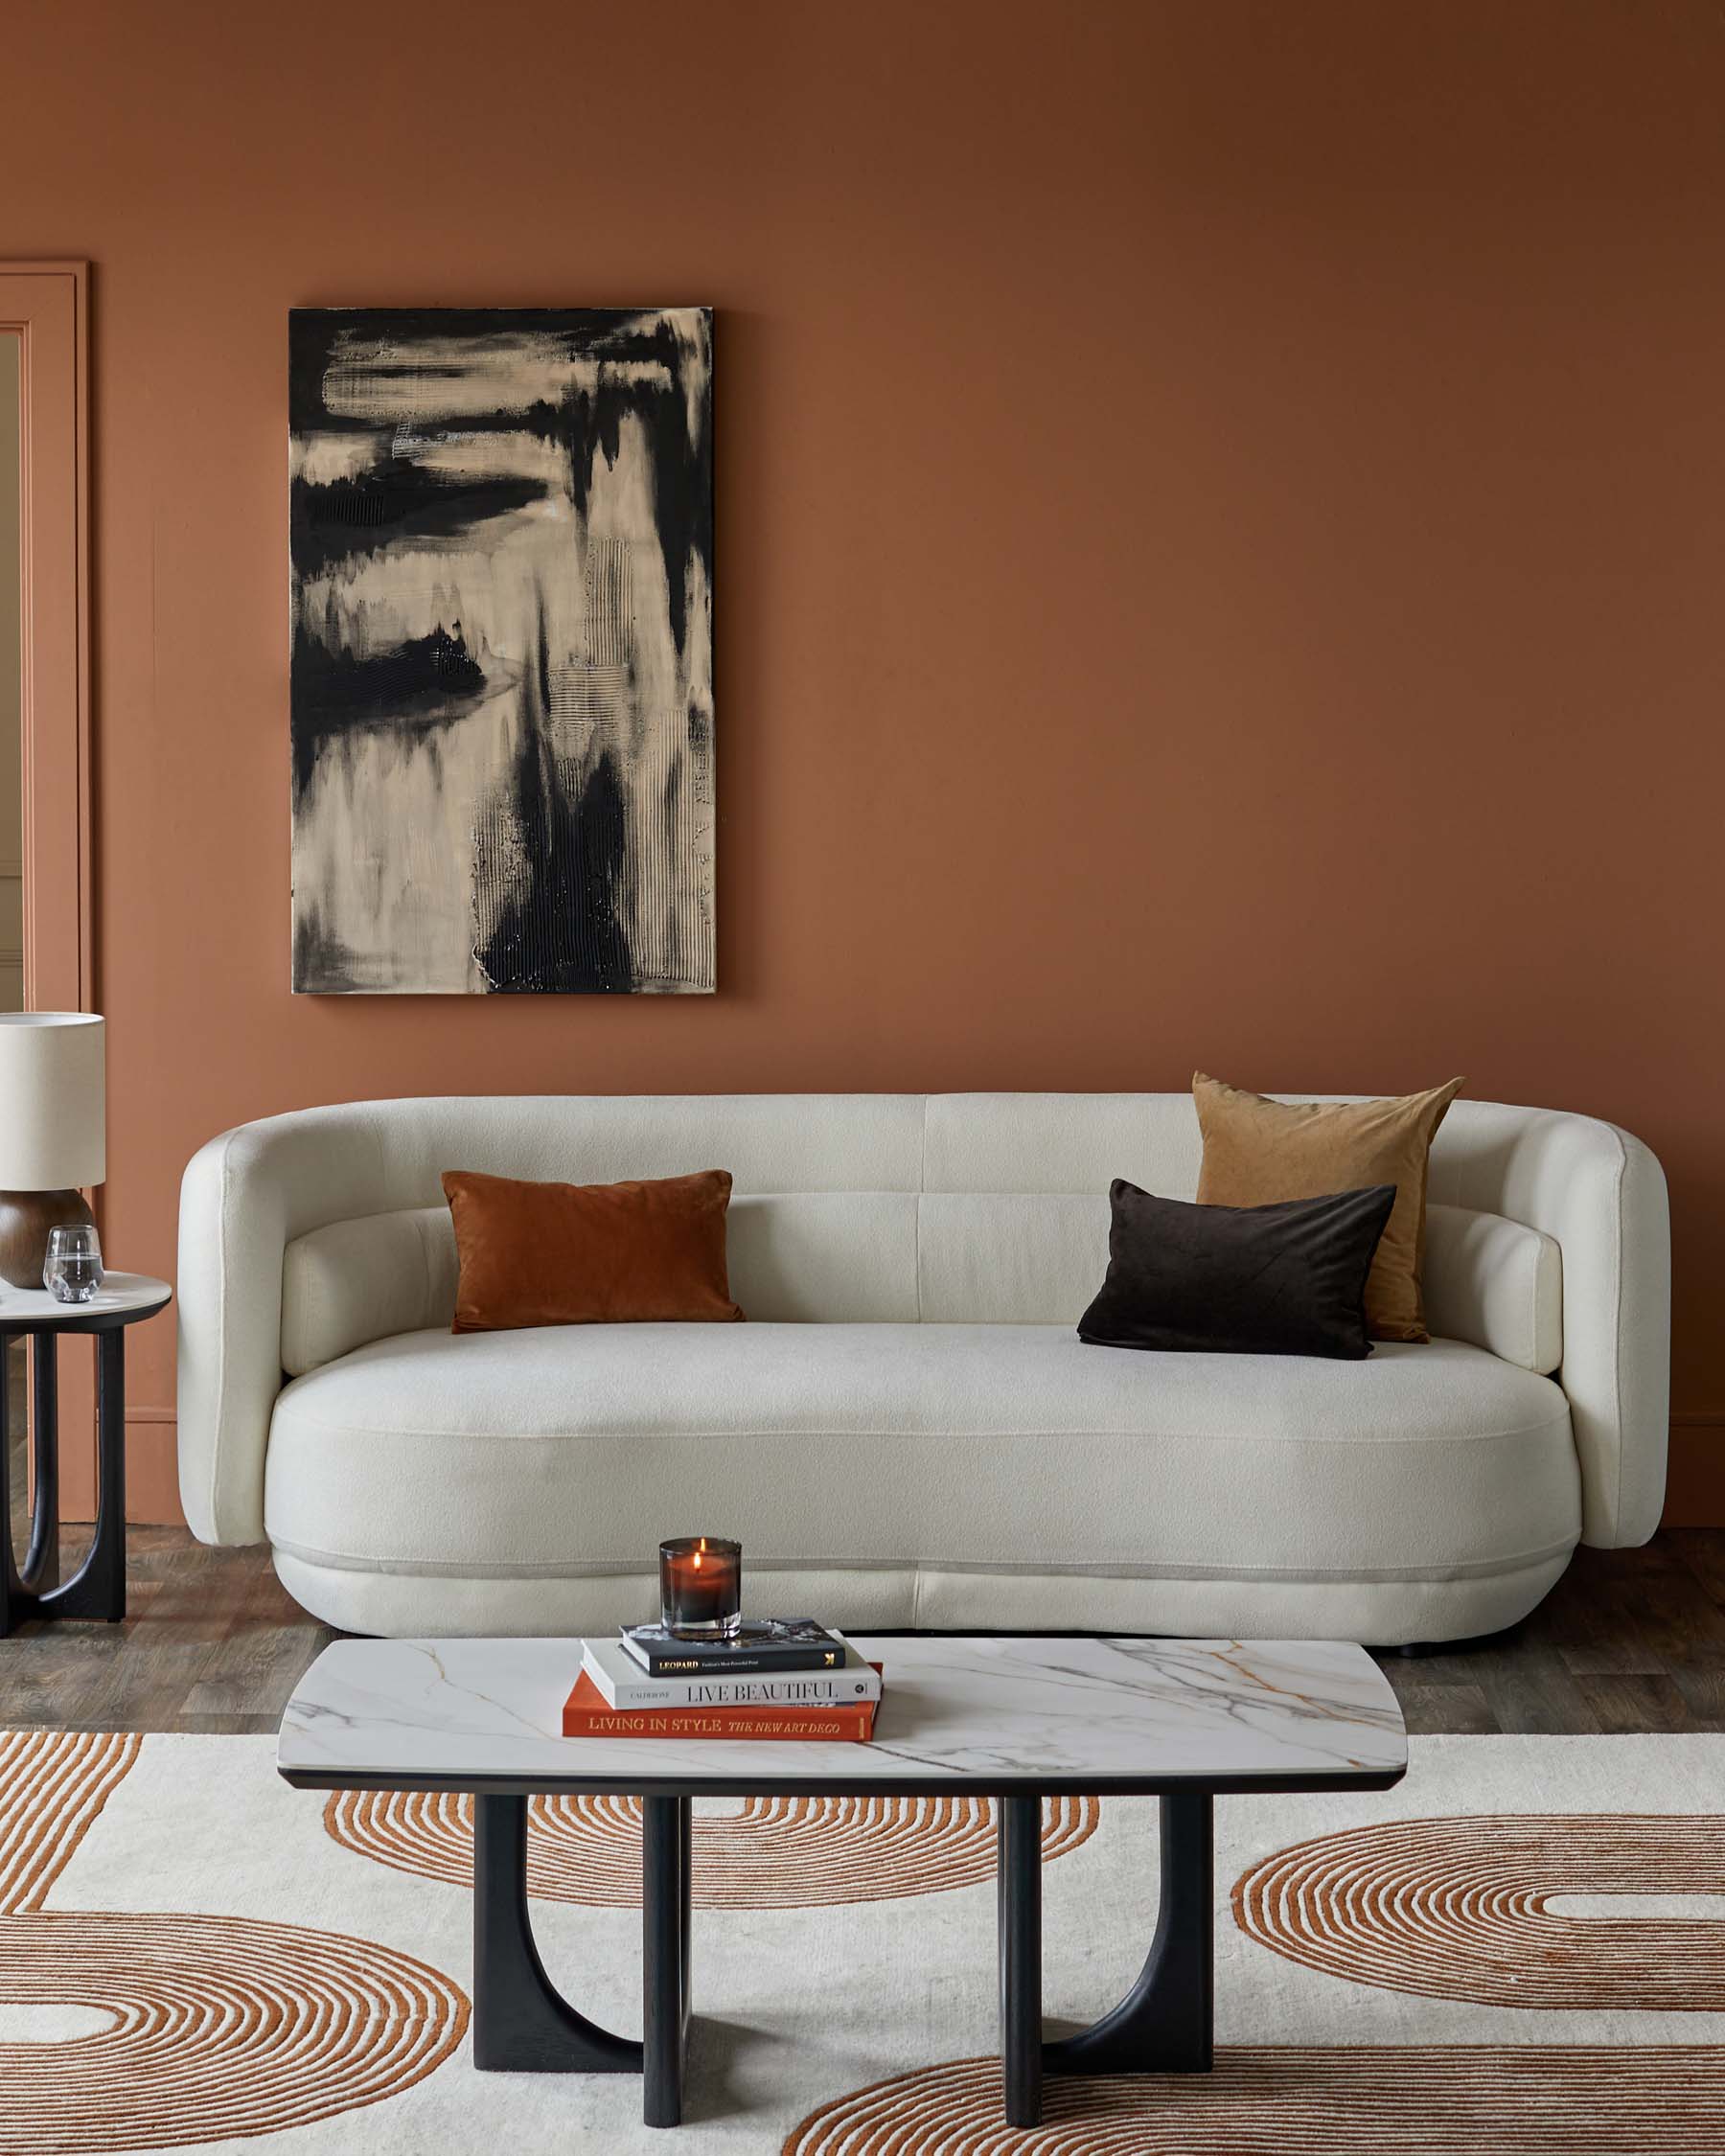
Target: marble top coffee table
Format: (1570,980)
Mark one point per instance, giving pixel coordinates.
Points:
(1013,1719)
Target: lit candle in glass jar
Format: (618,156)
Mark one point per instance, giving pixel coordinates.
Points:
(701,1587)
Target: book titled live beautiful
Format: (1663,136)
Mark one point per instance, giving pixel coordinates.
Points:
(625,1686)
(585,1714)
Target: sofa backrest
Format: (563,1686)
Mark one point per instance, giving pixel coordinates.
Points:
(304,1235)
(871,1257)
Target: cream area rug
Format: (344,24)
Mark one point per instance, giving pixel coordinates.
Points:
(1519,1952)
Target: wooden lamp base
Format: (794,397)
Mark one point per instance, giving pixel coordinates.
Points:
(25,1218)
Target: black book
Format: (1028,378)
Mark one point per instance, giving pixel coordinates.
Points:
(768,1646)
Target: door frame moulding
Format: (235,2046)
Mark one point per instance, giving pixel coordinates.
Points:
(47,305)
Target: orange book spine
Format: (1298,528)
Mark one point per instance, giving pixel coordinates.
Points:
(585,1714)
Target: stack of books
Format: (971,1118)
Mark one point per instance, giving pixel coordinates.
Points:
(780,1679)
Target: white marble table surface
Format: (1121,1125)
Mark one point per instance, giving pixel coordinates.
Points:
(1083,1714)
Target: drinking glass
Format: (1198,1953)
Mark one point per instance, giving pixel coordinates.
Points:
(72,1270)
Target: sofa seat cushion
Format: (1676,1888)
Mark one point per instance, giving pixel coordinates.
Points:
(573,1449)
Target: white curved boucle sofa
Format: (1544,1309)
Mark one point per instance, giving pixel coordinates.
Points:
(908,1430)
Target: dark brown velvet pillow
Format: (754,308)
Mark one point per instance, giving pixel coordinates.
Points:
(1287,1279)
(599,1253)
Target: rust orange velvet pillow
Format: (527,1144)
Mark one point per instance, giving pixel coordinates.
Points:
(598,1253)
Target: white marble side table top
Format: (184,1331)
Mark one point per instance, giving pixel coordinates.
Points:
(120,1296)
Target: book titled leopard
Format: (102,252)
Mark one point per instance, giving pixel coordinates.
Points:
(764,1646)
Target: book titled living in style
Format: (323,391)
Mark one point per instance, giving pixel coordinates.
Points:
(585,1714)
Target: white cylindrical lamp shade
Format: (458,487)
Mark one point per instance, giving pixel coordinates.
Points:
(53,1100)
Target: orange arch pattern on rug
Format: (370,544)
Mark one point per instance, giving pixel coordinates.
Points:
(1504,2100)
(219,2027)
(1460,1909)
(772,1852)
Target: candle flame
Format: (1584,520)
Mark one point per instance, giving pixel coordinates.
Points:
(697,1560)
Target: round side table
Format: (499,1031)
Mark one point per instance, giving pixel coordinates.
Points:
(98,1587)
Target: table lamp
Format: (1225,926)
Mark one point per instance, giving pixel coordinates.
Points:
(52,1131)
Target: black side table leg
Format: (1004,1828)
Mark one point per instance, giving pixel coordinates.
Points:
(41,1567)
(34,1591)
(666,1846)
(103,1577)
(1165,2023)
(521,2024)
(15,1603)
(98,1587)
(1019,1837)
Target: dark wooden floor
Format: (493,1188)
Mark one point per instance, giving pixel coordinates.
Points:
(211,1641)
(1631,1639)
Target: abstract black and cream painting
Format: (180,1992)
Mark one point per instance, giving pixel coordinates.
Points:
(503,667)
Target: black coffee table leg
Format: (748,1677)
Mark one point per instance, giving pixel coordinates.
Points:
(1165,2023)
(1019,1837)
(665,1854)
(687,1900)
(521,2024)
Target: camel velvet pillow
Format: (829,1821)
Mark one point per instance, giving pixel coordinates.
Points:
(600,1254)
(1258,1152)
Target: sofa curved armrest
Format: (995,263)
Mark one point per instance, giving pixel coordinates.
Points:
(1617,1358)
(243,1198)
(1600,1195)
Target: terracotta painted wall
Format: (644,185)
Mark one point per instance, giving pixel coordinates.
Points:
(1222,538)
